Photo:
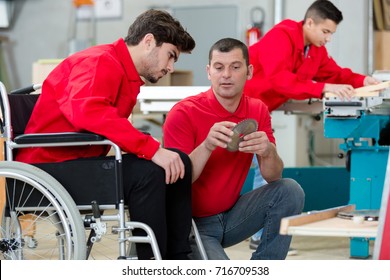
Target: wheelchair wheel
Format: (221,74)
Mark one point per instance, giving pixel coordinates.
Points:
(38,208)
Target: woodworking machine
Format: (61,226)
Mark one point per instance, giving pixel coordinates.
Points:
(364,124)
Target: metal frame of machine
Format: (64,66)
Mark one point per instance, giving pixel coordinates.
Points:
(364,124)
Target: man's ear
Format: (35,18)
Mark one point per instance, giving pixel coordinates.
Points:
(208,71)
(309,22)
(149,40)
(250,72)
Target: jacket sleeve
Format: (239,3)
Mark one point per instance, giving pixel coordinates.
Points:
(90,103)
(275,61)
(330,72)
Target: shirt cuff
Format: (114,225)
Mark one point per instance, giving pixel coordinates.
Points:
(150,148)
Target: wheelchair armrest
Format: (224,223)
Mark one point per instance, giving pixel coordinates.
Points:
(63,137)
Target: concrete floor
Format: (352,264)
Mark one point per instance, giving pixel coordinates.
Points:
(307,247)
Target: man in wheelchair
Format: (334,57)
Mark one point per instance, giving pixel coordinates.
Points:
(95,91)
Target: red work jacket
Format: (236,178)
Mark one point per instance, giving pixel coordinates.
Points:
(282,72)
(94,90)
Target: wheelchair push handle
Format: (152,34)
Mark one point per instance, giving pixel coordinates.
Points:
(27,90)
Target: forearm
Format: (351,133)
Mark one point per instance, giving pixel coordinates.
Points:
(199,158)
(271,166)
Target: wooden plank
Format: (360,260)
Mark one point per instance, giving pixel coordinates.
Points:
(378,15)
(386,14)
(336,227)
(310,217)
(28,224)
(361,93)
(367,91)
(380,86)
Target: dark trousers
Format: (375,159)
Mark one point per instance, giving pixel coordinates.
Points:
(165,208)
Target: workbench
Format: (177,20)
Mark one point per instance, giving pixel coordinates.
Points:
(160,99)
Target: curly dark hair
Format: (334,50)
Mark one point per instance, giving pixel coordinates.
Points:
(164,28)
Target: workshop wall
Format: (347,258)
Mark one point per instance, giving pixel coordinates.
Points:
(41,27)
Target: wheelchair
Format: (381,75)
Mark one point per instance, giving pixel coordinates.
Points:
(48,209)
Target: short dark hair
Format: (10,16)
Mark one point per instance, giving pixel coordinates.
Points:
(228,44)
(164,28)
(322,10)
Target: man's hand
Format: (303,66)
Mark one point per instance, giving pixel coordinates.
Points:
(368,81)
(256,142)
(270,164)
(344,92)
(171,163)
(219,135)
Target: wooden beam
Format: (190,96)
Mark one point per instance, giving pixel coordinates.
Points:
(357,94)
(310,217)
(377,87)
(367,91)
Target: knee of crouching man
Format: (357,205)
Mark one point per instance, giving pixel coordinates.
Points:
(296,194)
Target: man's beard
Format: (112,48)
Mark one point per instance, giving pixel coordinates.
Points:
(151,79)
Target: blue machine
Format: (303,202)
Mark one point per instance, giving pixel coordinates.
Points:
(364,124)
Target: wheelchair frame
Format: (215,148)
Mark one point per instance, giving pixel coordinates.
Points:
(60,210)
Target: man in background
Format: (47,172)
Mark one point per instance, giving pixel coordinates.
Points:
(292,62)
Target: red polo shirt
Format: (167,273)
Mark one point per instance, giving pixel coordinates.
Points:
(187,125)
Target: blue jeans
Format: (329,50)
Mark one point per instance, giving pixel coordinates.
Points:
(261,208)
(258,182)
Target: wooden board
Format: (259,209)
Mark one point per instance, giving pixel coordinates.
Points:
(371,88)
(310,217)
(336,227)
(367,91)
(378,15)
(358,94)
(325,223)
(386,14)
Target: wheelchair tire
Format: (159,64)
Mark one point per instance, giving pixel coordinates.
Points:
(37,205)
